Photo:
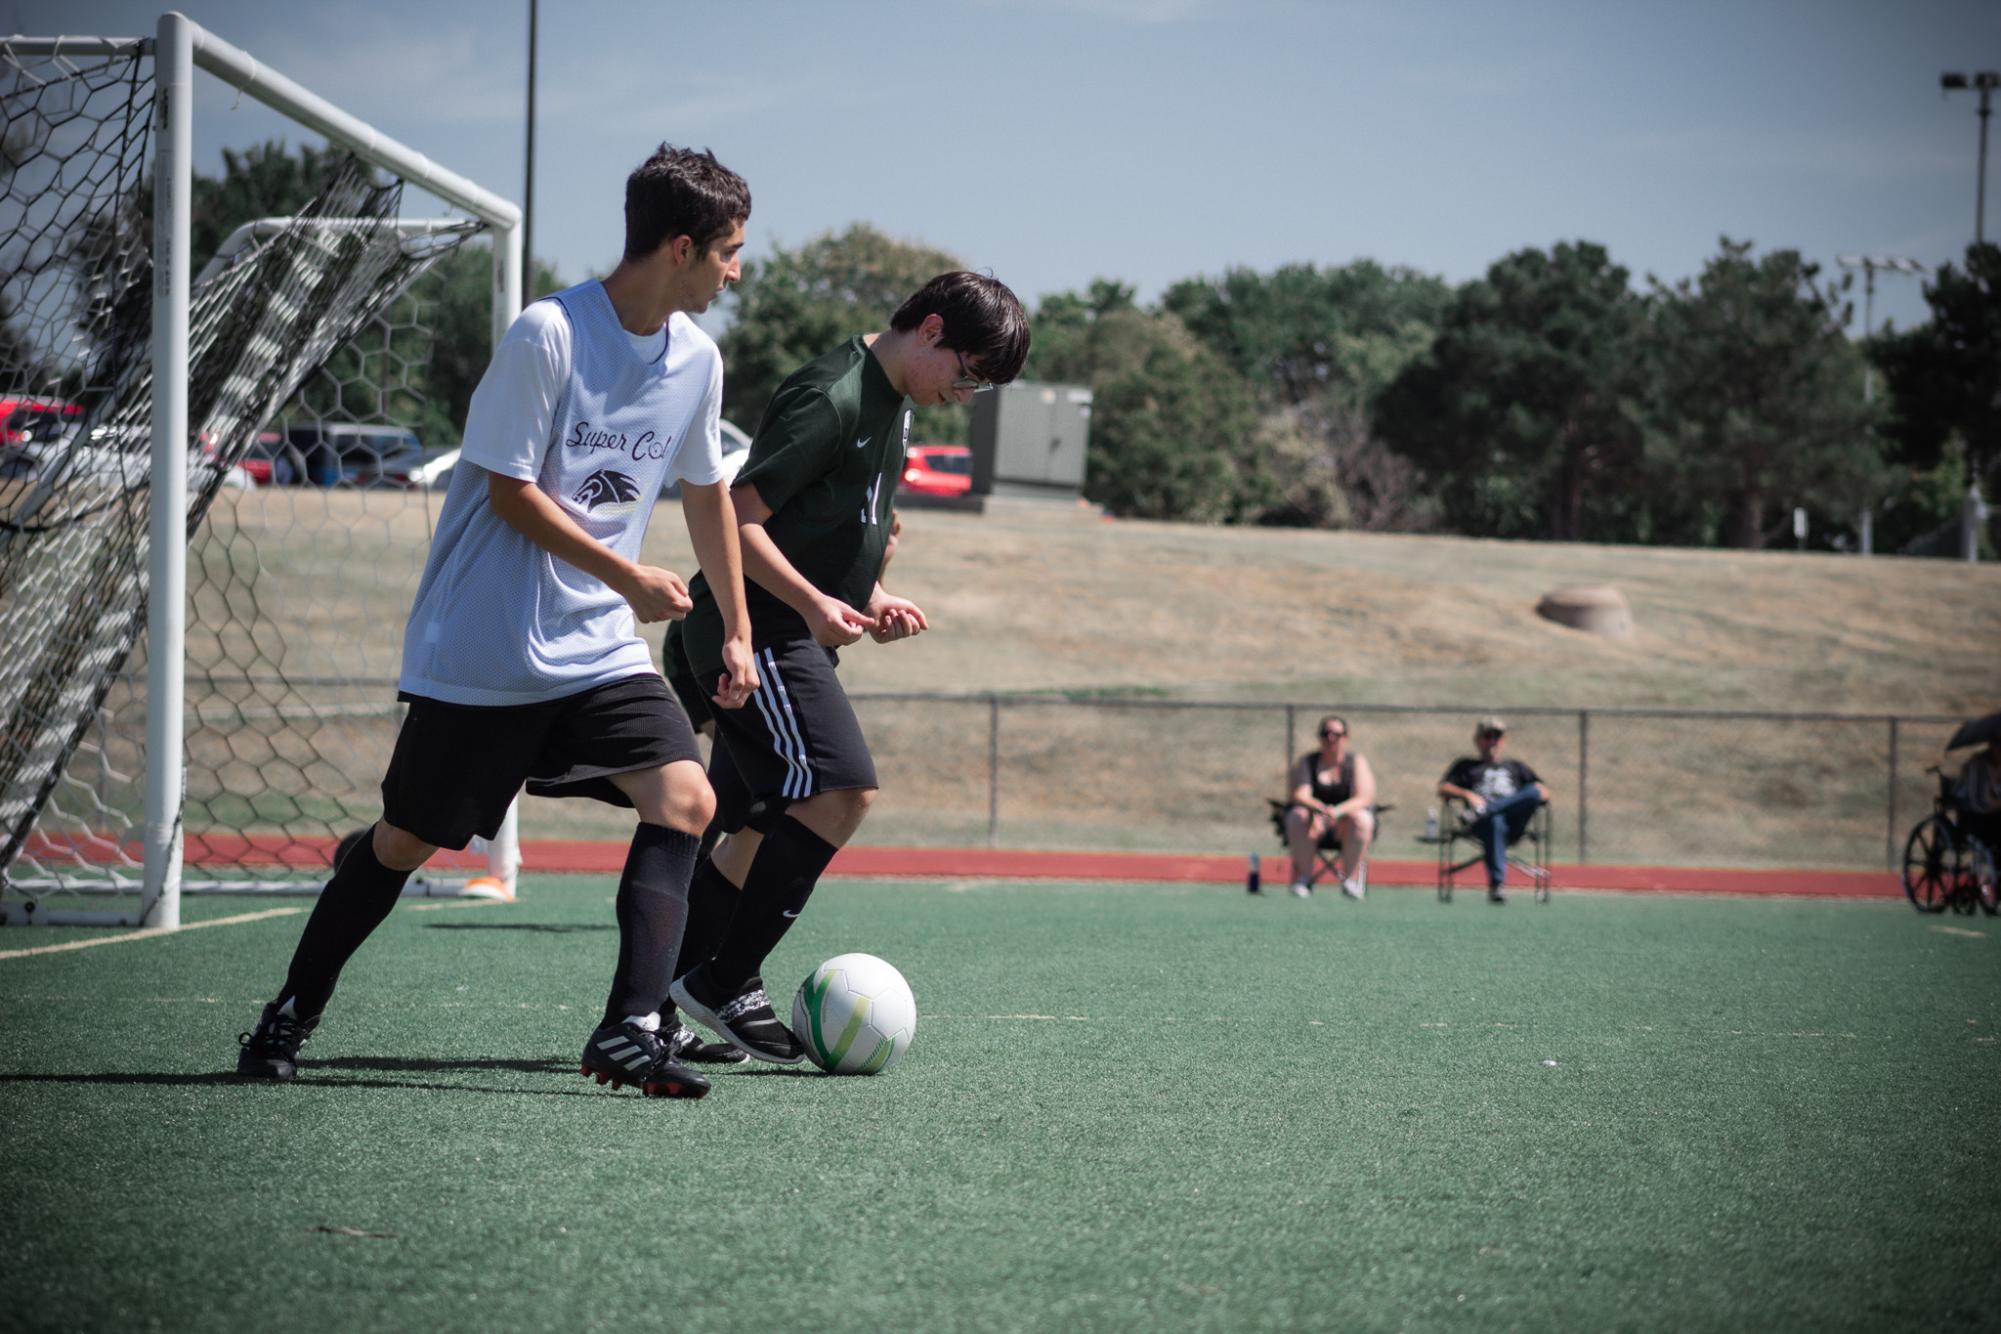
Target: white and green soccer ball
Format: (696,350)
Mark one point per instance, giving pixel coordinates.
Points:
(855,1015)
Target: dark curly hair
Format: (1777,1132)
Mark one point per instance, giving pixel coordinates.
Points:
(680,192)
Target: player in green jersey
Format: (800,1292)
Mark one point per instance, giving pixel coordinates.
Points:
(792,771)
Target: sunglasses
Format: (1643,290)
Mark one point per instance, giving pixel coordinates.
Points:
(1331,736)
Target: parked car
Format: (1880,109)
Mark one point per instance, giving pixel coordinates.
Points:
(736,451)
(359,454)
(39,437)
(30,431)
(119,456)
(31,414)
(271,461)
(938,470)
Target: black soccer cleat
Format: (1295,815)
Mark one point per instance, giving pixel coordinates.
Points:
(624,1053)
(687,1047)
(272,1052)
(744,1018)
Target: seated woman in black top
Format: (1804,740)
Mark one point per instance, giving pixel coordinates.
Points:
(1333,793)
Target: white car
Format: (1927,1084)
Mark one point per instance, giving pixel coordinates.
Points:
(736,450)
(114,456)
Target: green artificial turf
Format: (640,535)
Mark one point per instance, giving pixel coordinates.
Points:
(1126,1107)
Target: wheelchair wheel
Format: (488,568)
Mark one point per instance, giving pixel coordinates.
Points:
(1932,865)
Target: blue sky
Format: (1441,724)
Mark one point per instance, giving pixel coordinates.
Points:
(1058,141)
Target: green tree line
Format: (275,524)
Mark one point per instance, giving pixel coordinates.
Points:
(1553,397)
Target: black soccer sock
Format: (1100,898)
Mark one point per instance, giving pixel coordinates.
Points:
(712,904)
(354,902)
(788,864)
(652,910)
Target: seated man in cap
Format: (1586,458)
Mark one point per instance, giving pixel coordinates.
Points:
(1501,796)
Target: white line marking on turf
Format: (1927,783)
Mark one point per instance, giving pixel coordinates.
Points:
(147,933)
(1042,1018)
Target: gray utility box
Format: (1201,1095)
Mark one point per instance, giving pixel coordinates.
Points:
(1029,439)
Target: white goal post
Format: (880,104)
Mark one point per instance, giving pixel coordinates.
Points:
(178,48)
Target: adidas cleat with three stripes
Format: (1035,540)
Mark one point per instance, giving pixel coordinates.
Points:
(624,1053)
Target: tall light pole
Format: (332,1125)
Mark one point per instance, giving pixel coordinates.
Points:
(1869,264)
(1986,81)
(528,292)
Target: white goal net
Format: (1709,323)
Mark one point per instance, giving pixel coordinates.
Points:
(227,734)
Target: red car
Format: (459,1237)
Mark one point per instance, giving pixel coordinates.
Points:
(271,461)
(32,431)
(938,470)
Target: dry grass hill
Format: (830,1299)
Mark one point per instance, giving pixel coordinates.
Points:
(1035,596)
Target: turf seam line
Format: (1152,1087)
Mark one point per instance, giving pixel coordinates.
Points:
(149,933)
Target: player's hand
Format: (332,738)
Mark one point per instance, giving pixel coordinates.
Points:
(896,618)
(836,625)
(739,679)
(656,594)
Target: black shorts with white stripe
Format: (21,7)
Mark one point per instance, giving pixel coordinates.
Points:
(797,737)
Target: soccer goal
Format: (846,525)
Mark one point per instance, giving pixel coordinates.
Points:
(215,501)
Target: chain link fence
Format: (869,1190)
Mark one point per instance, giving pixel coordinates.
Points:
(1630,786)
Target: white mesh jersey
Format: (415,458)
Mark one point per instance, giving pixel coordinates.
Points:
(600,419)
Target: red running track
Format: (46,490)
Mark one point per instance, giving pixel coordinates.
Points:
(985,863)
(553,855)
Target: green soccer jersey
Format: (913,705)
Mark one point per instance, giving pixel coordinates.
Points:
(825,459)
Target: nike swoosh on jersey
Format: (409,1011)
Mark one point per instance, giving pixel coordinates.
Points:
(788,914)
(863,442)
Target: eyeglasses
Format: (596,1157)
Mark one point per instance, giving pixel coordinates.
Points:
(968,380)
(1332,736)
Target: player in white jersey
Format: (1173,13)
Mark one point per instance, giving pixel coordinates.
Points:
(522,663)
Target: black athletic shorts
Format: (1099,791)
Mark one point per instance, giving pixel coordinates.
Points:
(797,737)
(681,676)
(457,766)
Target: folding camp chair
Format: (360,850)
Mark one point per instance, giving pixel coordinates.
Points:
(1460,849)
(1326,854)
